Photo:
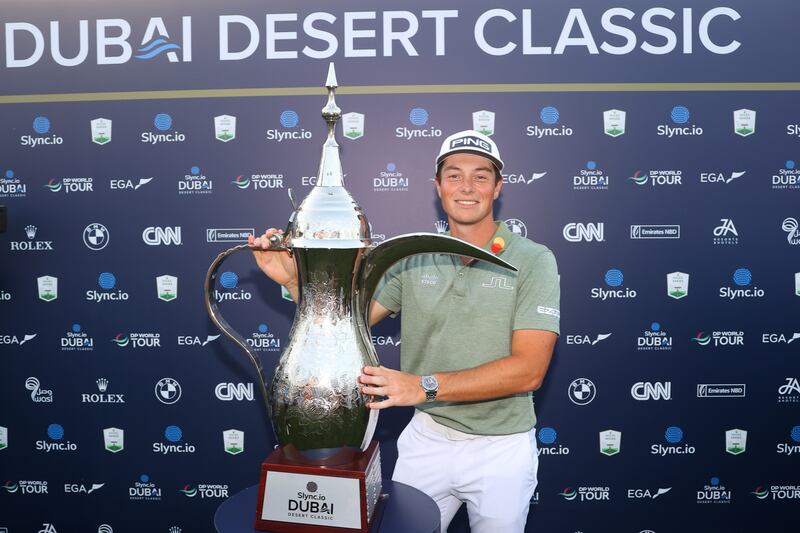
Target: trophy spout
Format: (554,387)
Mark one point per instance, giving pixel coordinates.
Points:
(377,261)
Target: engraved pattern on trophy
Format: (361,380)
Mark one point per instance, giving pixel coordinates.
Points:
(318,413)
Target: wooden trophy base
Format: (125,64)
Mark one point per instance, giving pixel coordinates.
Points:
(298,498)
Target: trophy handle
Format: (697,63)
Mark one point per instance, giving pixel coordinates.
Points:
(376,261)
(216,315)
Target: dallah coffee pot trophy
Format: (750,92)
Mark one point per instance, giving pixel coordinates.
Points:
(325,475)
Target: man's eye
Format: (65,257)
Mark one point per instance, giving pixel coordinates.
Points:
(454,177)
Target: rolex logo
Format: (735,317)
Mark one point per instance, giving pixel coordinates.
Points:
(30,231)
(441,226)
(102,384)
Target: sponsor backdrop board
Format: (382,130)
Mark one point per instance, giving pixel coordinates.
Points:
(650,146)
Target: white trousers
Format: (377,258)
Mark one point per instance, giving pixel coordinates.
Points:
(494,475)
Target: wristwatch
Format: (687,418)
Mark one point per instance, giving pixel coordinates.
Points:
(431,386)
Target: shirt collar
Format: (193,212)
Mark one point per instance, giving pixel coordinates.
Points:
(500,240)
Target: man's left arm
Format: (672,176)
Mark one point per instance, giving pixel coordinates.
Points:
(521,371)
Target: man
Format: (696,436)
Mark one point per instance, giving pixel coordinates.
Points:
(477,340)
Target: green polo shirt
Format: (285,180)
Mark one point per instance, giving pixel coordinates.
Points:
(457,316)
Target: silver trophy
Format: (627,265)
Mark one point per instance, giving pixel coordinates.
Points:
(318,412)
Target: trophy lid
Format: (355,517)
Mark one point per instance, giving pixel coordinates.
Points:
(329,217)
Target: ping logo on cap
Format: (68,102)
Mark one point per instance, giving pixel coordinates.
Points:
(465,142)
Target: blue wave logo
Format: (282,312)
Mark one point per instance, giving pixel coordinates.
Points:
(55,431)
(742,277)
(41,125)
(107,280)
(614,277)
(549,115)
(173,433)
(795,434)
(679,114)
(156,47)
(418,116)
(229,280)
(673,434)
(289,118)
(162,121)
(547,435)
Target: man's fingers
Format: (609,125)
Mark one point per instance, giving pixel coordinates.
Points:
(375,391)
(381,405)
(373,380)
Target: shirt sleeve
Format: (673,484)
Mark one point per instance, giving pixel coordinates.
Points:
(390,289)
(538,297)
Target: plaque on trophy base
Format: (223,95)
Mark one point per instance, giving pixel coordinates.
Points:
(298,498)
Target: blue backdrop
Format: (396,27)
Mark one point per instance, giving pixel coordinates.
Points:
(652,147)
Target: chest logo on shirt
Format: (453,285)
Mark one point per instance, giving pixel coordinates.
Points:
(429,280)
(498,282)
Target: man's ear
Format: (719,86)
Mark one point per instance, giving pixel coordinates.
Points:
(497,187)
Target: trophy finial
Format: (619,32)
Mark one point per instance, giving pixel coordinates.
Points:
(330,82)
(331,112)
(330,168)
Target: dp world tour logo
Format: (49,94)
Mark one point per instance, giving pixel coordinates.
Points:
(568,493)
(242,181)
(121,340)
(702,338)
(53,185)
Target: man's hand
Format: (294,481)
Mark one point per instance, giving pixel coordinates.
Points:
(400,388)
(278,266)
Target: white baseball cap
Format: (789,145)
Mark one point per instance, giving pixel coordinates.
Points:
(471,142)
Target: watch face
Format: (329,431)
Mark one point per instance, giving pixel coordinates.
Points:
(429,383)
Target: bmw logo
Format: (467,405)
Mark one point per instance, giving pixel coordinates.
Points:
(168,391)
(582,391)
(95,236)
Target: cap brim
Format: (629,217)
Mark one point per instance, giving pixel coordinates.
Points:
(496,162)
